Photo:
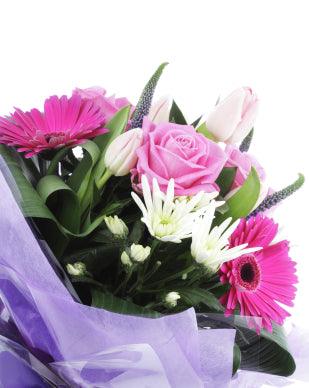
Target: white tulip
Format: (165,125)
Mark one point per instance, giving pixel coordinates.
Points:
(120,156)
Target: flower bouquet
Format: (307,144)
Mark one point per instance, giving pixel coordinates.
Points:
(138,249)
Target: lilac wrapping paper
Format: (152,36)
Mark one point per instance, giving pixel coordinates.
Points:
(89,347)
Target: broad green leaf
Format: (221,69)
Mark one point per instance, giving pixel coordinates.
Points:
(267,352)
(61,200)
(176,116)
(243,201)
(112,303)
(196,296)
(33,205)
(204,131)
(226,179)
(116,126)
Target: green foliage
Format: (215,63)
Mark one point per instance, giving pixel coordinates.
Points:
(204,131)
(243,201)
(61,200)
(176,116)
(265,352)
(226,179)
(112,303)
(236,358)
(196,296)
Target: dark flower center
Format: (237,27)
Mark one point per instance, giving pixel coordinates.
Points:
(247,273)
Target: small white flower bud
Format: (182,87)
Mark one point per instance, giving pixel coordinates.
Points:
(184,276)
(76,269)
(125,259)
(116,226)
(139,253)
(171,299)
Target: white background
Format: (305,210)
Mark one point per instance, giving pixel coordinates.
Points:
(50,47)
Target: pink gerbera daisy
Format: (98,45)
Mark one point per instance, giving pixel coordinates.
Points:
(64,122)
(261,281)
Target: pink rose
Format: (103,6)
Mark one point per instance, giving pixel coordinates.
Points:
(178,151)
(109,105)
(233,118)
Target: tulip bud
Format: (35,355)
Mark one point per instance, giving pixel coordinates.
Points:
(233,118)
(160,110)
(171,299)
(116,226)
(125,259)
(139,253)
(77,269)
(120,156)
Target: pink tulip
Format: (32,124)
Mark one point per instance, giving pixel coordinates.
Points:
(233,118)
(120,155)
(160,110)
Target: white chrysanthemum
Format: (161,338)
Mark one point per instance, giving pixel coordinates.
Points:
(205,200)
(168,218)
(210,247)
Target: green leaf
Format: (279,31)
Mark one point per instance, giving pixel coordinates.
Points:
(226,179)
(112,303)
(244,200)
(236,358)
(115,207)
(116,126)
(137,232)
(33,205)
(176,116)
(61,200)
(144,103)
(79,180)
(53,167)
(267,352)
(196,122)
(204,131)
(195,296)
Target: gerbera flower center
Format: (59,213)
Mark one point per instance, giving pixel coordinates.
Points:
(55,138)
(247,273)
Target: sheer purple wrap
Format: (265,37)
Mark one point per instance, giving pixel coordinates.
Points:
(46,337)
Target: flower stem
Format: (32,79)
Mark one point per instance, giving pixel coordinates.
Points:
(105,177)
(123,284)
(143,270)
(53,167)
